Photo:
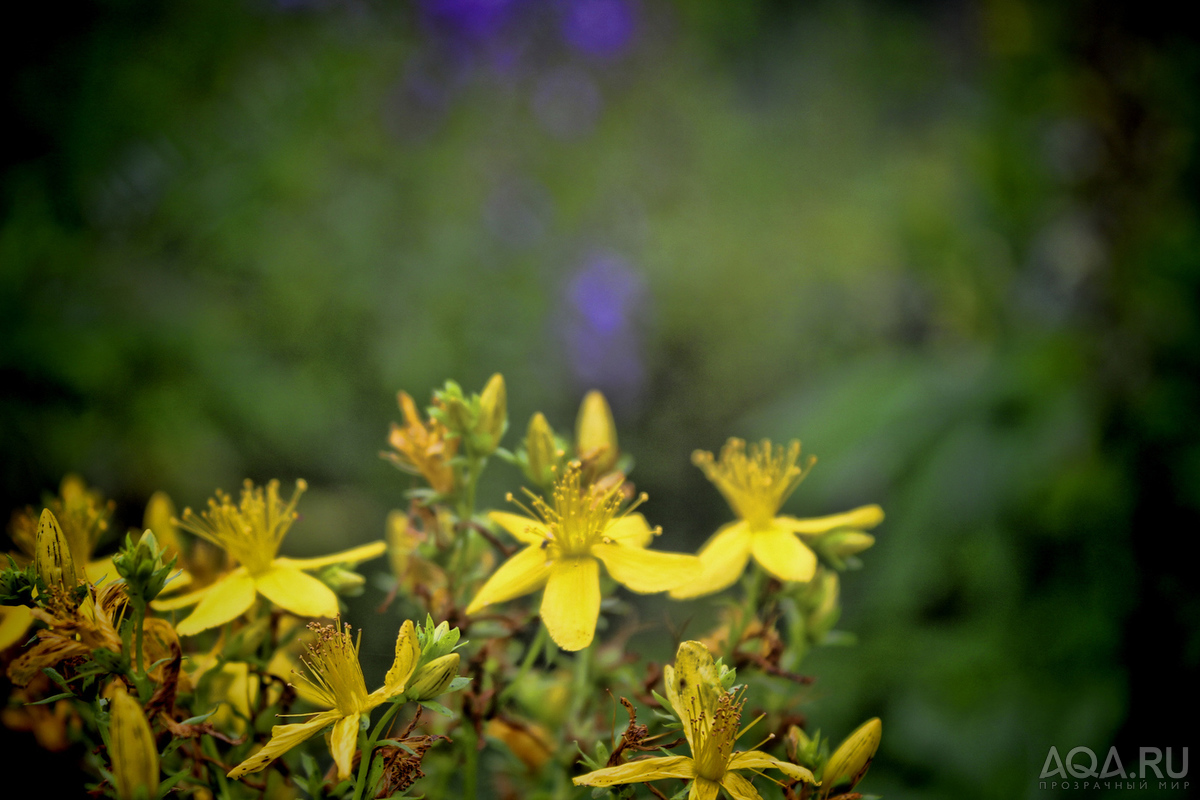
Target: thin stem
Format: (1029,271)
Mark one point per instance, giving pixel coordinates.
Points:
(535,647)
(368,749)
(470,762)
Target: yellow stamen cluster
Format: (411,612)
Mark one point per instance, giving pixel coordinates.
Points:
(756,483)
(713,746)
(337,678)
(252,530)
(580,513)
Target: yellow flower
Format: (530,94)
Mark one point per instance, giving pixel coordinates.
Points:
(710,717)
(82,515)
(337,681)
(756,484)
(132,749)
(566,543)
(422,448)
(252,532)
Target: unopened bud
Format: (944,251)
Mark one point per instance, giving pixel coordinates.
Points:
(343,581)
(823,605)
(849,763)
(842,544)
(596,433)
(132,750)
(434,678)
(541,451)
(142,567)
(493,416)
(53,561)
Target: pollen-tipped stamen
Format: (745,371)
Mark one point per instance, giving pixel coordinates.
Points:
(251,531)
(336,675)
(578,515)
(757,481)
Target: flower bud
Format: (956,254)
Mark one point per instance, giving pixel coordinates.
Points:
(52,560)
(596,433)
(849,763)
(542,453)
(433,678)
(493,416)
(142,567)
(822,601)
(132,750)
(343,581)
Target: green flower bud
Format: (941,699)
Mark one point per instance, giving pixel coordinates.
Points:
(142,567)
(493,416)
(847,543)
(434,678)
(542,453)
(345,582)
(850,762)
(822,602)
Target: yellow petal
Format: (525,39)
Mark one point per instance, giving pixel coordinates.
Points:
(693,689)
(100,571)
(342,744)
(297,592)
(783,555)
(704,789)
(354,555)
(225,600)
(14,621)
(159,517)
(861,517)
(758,760)
(631,530)
(408,652)
(283,738)
(649,769)
(646,571)
(182,601)
(571,604)
(722,561)
(132,749)
(526,530)
(525,572)
(739,788)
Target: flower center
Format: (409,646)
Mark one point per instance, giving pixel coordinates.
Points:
(713,745)
(337,679)
(756,483)
(251,531)
(578,515)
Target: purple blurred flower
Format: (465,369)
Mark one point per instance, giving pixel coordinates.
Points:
(599,27)
(604,299)
(471,19)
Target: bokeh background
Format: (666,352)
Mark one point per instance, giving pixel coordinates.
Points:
(951,246)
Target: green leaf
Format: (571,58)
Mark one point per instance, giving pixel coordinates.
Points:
(51,699)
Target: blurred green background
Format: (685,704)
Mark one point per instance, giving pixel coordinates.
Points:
(952,246)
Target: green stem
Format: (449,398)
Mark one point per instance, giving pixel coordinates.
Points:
(535,647)
(368,749)
(210,749)
(470,762)
(580,682)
